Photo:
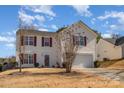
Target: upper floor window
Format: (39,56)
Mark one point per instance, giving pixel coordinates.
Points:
(76,40)
(46,41)
(25,40)
(80,40)
(29,40)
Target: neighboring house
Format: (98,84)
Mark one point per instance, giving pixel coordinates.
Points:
(110,48)
(44,47)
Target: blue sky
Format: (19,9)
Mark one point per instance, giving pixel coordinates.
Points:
(105,19)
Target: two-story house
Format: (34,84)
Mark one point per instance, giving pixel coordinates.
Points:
(44,47)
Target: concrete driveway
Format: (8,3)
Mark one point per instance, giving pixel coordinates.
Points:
(114,74)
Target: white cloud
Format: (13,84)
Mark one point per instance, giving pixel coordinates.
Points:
(116,27)
(50,18)
(113,14)
(7,39)
(3,39)
(25,18)
(54,27)
(105,16)
(116,16)
(43,29)
(45,9)
(9,33)
(14,31)
(113,27)
(30,20)
(83,10)
(106,35)
(11,45)
(39,18)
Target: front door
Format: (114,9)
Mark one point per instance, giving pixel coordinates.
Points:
(46,60)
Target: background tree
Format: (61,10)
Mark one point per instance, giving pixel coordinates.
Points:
(115,36)
(20,45)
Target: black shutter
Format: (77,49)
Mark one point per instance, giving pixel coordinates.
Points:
(50,41)
(35,41)
(42,41)
(35,58)
(85,41)
(22,40)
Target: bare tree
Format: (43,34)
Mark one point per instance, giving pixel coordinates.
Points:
(70,48)
(20,46)
(58,46)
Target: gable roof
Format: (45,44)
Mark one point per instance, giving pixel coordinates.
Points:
(115,41)
(81,23)
(34,32)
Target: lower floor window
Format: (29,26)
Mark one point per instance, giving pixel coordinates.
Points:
(28,58)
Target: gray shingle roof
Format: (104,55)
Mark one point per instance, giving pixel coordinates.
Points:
(120,41)
(111,40)
(117,42)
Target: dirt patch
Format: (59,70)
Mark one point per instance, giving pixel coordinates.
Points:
(116,64)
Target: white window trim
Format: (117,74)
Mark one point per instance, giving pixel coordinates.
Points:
(27,40)
(28,59)
(47,41)
(79,40)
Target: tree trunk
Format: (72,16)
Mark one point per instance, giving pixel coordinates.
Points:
(68,70)
(20,69)
(68,67)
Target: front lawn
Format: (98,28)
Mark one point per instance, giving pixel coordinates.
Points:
(53,77)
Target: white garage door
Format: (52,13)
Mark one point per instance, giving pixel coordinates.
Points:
(83,61)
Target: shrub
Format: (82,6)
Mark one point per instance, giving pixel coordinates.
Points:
(5,63)
(53,66)
(64,65)
(106,59)
(1,66)
(42,66)
(96,64)
(58,65)
(15,64)
(36,64)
